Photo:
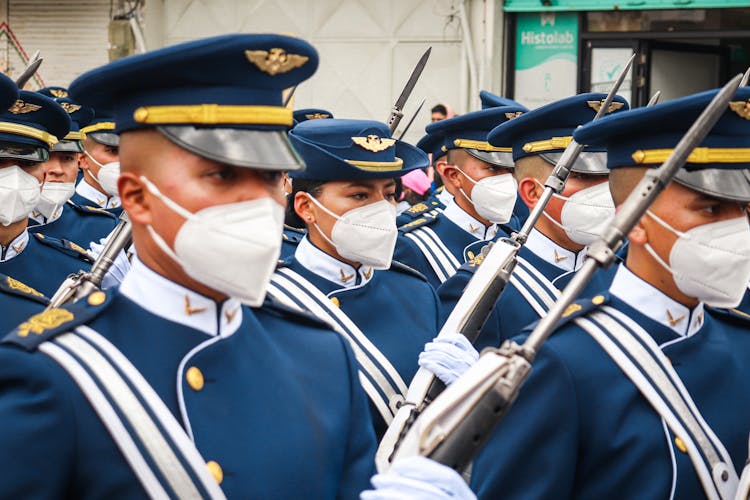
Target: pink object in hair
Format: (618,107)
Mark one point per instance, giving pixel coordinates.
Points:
(417,181)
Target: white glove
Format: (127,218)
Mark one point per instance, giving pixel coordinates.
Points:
(117,270)
(448,357)
(418,478)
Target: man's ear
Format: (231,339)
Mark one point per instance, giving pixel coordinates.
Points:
(83,161)
(304,208)
(453,175)
(133,198)
(530,190)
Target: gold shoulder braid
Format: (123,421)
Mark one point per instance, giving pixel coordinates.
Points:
(48,319)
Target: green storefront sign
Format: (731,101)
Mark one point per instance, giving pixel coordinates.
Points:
(546,57)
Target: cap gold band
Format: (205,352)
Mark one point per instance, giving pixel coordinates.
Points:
(699,155)
(480,145)
(73,136)
(98,127)
(548,145)
(26,131)
(378,166)
(213,114)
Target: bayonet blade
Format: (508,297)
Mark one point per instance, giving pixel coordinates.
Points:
(419,108)
(397,112)
(654,99)
(32,68)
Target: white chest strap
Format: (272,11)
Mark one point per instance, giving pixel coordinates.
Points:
(640,358)
(533,286)
(379,378)
(441,259)
(92,361)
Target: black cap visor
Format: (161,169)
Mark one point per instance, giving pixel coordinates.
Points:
(26,152)
(724,184)
(588,162)
(498,158)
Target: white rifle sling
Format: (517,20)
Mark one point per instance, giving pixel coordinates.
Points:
(86,355)
(640,358)
(380,379)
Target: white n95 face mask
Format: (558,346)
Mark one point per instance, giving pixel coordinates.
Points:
(366,235)
(108,175)
(54,195)
(232,248)
(711,262)
(586,213)
(19,194)
(493,197)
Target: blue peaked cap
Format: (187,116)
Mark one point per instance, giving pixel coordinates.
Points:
(212,97)
(80,116)
(490,100)
(549,128)
(302,115)
(646,136)
(339,149)
(469,132)
(433,144)
(34,120)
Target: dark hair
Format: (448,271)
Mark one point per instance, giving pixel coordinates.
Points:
(313,187)
(439,108)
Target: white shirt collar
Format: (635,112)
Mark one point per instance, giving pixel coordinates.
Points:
(551,252)
(95,196)
(655,304)
(16,246)
(39,218)
(444,196)
(178,304)
(317,261)
(459,217)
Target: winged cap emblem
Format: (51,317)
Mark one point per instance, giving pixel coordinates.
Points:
(21,108)
(510,116)
(59,92)
(742,108)
(275,61)
(317,116)
(69,107)
(596,106)
(374,143)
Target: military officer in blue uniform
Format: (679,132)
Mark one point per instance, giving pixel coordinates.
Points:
(185,381)
(99,163)
(556,247)
(28,130)
(343,270)
(485,194)
(56,215)
(596,423)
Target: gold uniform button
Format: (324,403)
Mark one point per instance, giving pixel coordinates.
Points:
(97,298)
(215,469)
(680,444)
(598,300)
(336,301)
(194,378)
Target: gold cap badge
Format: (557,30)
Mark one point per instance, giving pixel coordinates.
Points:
(58,92)
(373,143)
(21,108)
(742,108)
(69,107)
(275,61)
(596,106)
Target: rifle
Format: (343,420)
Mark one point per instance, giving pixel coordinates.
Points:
(458,423)
(481,294)
(419,108)
(81,284)
(30,70)
(398,109)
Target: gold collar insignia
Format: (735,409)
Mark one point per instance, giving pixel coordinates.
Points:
(367,273)
(596,106)
(557,256)
(192,310)
(21,108)
(344,277)
(374,143)
(672,320)
(275,61)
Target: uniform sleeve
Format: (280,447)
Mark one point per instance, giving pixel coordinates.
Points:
(406,252)
(37,427)
(532,453)
(359,463)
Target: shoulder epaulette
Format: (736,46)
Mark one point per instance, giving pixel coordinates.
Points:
(65,246)
(734,316)
(52,322)
(90,210)
(278,309)
(292,236)
(403,268)
(284,262)
(425,220)
(14,287)
(576,309)
(418,209)
(293,229)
